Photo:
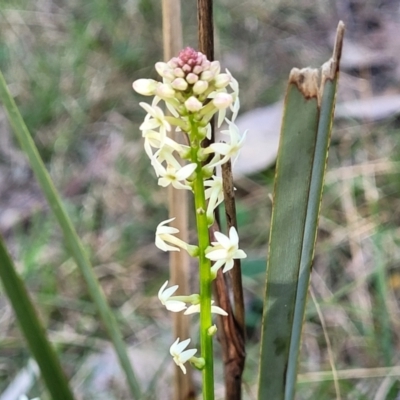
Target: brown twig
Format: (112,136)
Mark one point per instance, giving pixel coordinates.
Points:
(178,205)
(236,272)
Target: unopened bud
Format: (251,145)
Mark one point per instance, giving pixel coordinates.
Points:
(164,70)
(222,100)
(146,87)
(212,330)
(192,78)
(207,76)
(198,362)
(198,69)
(179,84)
(192,104)
(221,81)
(179,73)
(165,91)
(200,87)
(215,67)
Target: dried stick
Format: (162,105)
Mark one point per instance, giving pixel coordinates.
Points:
(178,206)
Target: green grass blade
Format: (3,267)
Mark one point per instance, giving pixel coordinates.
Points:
(297,195)
(32,329)
(293,172)
(71,238)
(328,91)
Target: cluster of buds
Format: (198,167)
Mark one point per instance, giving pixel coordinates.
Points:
(193,90)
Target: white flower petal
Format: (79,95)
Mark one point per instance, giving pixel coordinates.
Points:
(215,255)
(223,240)
(233,236)
(218,310)
(175,305)
(228,265)
(185,172)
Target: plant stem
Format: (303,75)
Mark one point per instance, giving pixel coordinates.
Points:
(205,269)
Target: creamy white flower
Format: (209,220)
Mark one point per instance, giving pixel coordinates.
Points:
(229,150)
(154,119)
(180,356)
(195,308)
(164,154)
(172,175)
(165,234)
(225,250)
(153,139)
(214,194)
(170,304)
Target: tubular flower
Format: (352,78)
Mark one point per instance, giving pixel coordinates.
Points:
(180,356)
(229,150)
(170,304)
(155,119)
(165,234)
(224,251)
(172,175)
(214,194)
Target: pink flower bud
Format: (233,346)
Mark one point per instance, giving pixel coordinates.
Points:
(192,104)
(172,63)
(198,69)
(200,87)
(179,84)
(222,100)
(179,73)
(192,78)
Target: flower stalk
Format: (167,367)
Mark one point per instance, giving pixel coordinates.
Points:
(194,90)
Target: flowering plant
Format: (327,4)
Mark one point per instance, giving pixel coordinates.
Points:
(193,90)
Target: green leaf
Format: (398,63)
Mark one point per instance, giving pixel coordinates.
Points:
(300,169)
(32,329)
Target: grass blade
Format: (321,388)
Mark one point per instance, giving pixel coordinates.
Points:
(329,72)
(72,240)
(32,329)
(297,195)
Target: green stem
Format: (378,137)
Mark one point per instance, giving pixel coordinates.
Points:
(206,341)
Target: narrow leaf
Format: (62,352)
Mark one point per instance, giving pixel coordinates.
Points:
(33,330)
(300,170)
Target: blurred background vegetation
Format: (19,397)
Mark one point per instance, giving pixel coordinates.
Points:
(70,65)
